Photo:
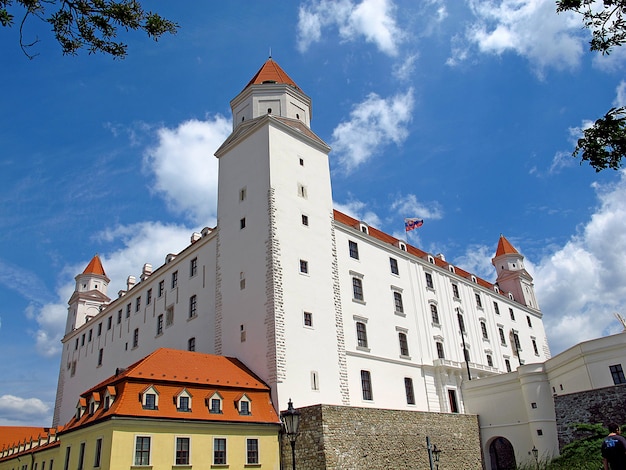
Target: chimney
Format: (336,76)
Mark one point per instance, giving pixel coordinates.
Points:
(146,271)
(130,282)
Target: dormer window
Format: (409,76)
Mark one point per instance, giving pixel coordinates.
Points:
(214,403)
(243,405)
(94,403)
(81,407)
(183,401)
(109,396)
(150,399)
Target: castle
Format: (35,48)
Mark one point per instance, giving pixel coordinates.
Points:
(322,307)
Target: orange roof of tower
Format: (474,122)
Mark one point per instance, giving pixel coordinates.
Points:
(505,247)
(271,72)
(95,267)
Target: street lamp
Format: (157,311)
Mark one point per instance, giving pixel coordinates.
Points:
(535,452)
(291,420)
(436,453)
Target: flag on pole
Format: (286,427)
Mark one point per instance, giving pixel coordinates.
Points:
(412,224)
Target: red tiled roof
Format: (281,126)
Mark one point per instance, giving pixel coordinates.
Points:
(95,267)
(201,375)
(271,72)
(384,237)
(10,435)
(505,248)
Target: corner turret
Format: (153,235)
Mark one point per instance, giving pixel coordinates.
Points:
(90,295)
(512,276)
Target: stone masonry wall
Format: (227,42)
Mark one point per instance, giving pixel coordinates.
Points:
(603,405)
(350,438)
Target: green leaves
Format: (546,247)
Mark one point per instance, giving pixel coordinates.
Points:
(88,24)
(603,145)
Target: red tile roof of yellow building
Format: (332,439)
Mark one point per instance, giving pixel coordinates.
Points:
(505,247)
(95,267)
(11,435)
(168,371)
(271,72)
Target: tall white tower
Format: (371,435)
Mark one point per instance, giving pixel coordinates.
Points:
(277,288)
(90,295)
(512,276)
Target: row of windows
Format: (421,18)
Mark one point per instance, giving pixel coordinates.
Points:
(214,403)
(409,391)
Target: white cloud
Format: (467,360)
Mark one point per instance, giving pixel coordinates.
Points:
(529,28)
(409,206)
(184,166)
(620,91)
(16,411)
(373,124)
(359,210)
(404,70)
(370,19)
(580,285)
(477,260)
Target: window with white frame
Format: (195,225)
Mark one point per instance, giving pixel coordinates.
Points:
(159,325)
(193,306)
(219,451)
(304,267)
(244,405)
(512,314)
(357,289)
(393,264)
(483,329)
(496,308)
(182,450)
(366,385)
(361,334)
(535,348)
(404,344)
(193,267)
(215,403)
(183,401)
(434,313)
(136,338)
(397,301)
(354,249)
(97,454)
(440,352)
(455,291)
(150,399)
(308,319)
(479,302)
(174,279)
(142,450)
(252,451)
(489,360)
(502,336)
(409,392)
(429,280)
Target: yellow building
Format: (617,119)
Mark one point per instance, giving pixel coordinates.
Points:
(171,409)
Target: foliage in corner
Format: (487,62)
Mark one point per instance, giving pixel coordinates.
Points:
(604,144)
(86,24)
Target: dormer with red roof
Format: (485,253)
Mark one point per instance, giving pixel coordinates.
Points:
(90,295)
(512,276)
(271,91)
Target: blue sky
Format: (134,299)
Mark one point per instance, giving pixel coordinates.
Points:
(462,113)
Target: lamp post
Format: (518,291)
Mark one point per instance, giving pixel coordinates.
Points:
(436,453)
(535,452)
(291,420)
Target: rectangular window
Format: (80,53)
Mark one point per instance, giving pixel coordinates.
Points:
(408,388)
(219,451)
(393,264)
(182,450)
(489,360)
(81,456)
(76,344)
(429,280)
(242,281)
(67,458)
(404,344)
(618,374)
(455,291)
(161,288)
(461,322)
(496,308)
(305,220)
(191,344)
(479,302)
(150,399)
(142,450)
(148,296)
(502,337)
(98,453)
(397,300)
(357,289)
(434,313)
(183,404)
(535,349)
(169,316)
(304,266)
(483,328)
(507,364)
(136,338)
(242,194)
(160,324)
(174,279)
(193,267)
(530,323)
(252,451)
(466,355)
(216,406)
(137,304)
(440,353)
(308,319)
(100,354)
(454,405)
(516,342)
(242,223)
(512,314)
(354,249)
(366,385)
(119,316)
(82,340)
(193,305)
(128,308)
(361,334)
(90,335)
(109,323)
(99,329)
(244,407)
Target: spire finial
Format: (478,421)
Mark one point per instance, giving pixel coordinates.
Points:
(270,52)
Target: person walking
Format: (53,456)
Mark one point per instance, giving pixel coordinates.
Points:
(614,449)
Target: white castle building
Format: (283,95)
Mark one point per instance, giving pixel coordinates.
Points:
(321,306)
